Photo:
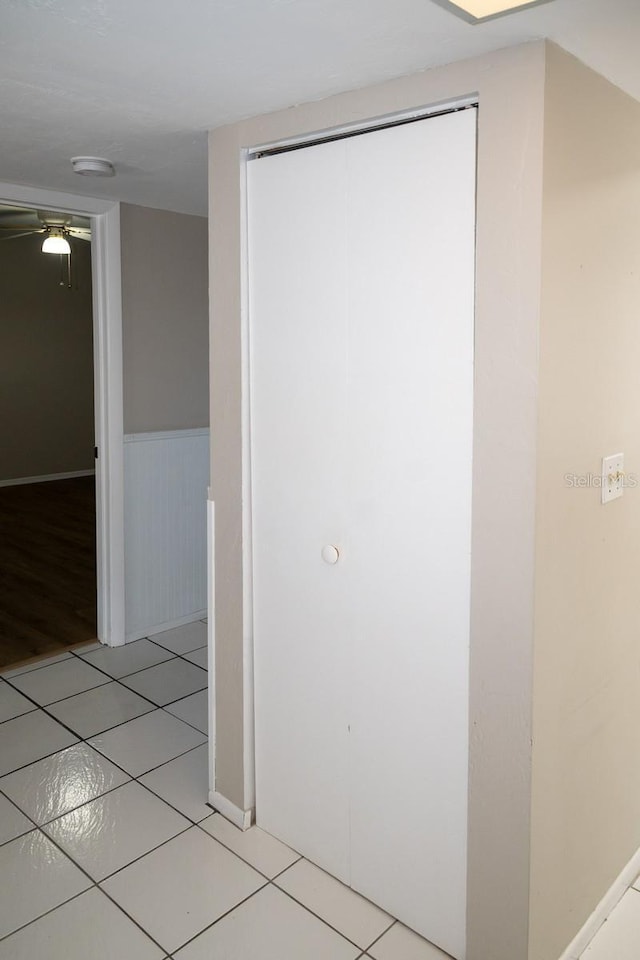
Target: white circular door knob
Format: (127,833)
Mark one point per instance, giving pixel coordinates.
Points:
(330,554)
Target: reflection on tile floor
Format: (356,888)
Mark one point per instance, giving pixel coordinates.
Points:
(108,847)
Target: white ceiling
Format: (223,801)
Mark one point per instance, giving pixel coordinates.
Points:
(141,81)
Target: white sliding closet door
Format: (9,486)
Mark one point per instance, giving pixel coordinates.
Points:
(299,391)
(361,322)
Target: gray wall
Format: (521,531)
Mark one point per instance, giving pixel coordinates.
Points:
(164,320)
(586,720)
(46,362)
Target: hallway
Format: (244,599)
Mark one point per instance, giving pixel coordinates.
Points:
(109,848)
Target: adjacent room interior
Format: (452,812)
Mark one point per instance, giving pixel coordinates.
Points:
(47,476)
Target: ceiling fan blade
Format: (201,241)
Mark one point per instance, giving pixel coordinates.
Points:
(22,219)
(30,227)
(24,233)
(78,233)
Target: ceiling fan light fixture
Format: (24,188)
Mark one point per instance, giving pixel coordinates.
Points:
(478,11)
(56,242)
(93,167)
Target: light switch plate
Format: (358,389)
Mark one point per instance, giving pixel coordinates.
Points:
(612,477)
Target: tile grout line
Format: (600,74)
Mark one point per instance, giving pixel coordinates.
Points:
(171,656)
(143,773)
(268,881)
(46,913)
(93,884)
(30,819)
(130,863)
(41,826)
(99,733)
(326,922)
(85,740)
(191,823)
(149,666)
(236,854)
(51,703)
(44,706)
(18,715)
(298,903)
(134,673)
(10,669)
(92,747)
(394,920)
(47,756)
(68,652)
(106,793)
(131,777)
(192,725)
(221,917)
(133,919)
(169,703)
(47,823)
(78,656)
(62,723)
(80,739)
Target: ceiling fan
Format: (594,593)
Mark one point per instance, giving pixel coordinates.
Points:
(58,228)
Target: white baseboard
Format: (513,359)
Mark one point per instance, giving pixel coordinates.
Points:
(18,481)
(169,625)
(239,818)
(611,898)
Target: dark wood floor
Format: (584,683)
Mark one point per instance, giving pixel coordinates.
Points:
(47,567)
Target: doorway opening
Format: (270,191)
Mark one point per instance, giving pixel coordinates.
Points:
(47,474)
(101,220)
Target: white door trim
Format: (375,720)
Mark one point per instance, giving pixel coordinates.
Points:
(107,327)
(248,716)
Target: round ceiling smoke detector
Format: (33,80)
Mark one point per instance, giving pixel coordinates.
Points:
(93,167)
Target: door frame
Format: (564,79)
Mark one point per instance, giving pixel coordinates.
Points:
(108,399)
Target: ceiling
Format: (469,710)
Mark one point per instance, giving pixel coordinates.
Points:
(141,81)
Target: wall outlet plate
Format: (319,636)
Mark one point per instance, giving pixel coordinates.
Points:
(612,477)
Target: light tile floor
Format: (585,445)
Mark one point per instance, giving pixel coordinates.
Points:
(109,848)
(619,937)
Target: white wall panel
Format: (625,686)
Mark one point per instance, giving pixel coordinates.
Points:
(165,479)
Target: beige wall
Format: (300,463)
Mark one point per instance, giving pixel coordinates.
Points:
(510,86)
(164,320)
(586,760)
(46,362)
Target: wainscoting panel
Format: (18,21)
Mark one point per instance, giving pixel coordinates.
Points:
(165,510)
